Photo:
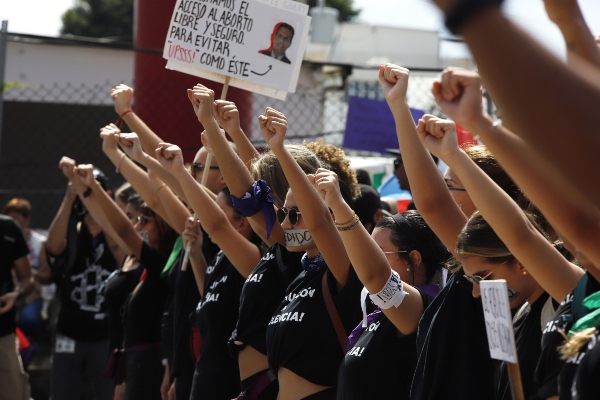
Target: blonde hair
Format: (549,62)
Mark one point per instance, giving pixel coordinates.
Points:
(574,345)
(268,168)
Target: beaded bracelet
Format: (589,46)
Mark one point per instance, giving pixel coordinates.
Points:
(347,228)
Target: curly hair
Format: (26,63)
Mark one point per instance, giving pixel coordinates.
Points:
(338,163)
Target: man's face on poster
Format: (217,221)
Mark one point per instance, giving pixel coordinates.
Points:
(283,40)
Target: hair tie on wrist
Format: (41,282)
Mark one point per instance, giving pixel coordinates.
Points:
(87,192)
(465,11)
(119,163)
(119,121)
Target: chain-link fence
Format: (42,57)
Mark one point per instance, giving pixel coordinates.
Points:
(41,124)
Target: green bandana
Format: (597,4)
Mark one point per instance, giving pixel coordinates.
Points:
(174,254)
(592,303)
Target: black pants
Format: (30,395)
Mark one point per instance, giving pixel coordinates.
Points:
(143,374)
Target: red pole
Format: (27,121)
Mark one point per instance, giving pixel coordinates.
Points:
(160,94)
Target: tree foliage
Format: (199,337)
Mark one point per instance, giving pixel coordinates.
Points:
(99,18)
(345,7)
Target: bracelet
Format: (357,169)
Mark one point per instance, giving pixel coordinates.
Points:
(163,185)
(465,11)
(347,222)
(119,163)
(347,228)
(87,192)
(119,121)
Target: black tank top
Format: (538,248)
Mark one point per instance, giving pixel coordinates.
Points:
(301,336)
(262,293)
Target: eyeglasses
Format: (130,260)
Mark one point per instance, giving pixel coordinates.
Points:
(397,163)
(293,213)
(394,252)
(144,219)
(200,167)
(476,278)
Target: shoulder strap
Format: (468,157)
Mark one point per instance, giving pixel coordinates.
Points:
(333,314)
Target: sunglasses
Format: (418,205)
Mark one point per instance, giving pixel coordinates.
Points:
(293,214)
(200,167)
(476,278)
(144,219)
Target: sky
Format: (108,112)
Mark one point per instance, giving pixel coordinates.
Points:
(42,17)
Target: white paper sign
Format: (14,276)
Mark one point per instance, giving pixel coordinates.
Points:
(259,42)
(498,320)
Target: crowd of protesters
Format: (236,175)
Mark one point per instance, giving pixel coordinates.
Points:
(276,275)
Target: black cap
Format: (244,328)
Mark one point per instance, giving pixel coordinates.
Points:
(367,204)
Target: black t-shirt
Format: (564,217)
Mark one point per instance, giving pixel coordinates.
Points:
(454,357)
(12,247)
(217,373)
(144,308)
(262,293)
(83,310)
(381,364)
(550,365)
(567,374)
(528,340)
(301,336)
(116,290)
(586,385)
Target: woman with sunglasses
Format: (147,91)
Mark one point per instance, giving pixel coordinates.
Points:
(217,374)
(493,248)
(439,208)
(150,241)
(404,257)
(307,368)
(265,288)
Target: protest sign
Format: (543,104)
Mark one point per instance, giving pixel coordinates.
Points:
(370,125)
(257,43)
(500,333)
(498,320)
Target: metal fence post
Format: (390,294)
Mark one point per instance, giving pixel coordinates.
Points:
(3,40)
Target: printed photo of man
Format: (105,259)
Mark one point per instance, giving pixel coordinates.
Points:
(281,40)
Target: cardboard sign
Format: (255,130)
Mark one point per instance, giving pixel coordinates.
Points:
(498,320)
(257,42)
(370,125)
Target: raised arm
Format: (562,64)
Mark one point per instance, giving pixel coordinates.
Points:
(96,196)
(236,175)
(177,213)
(192,234)
(118,248)
(429,191)
(137,177)
(368,259)
(578,221)
(57,232)
(122,96)
(243,254)
(529,84)
(314,211)
(539,257)
(580,42)
(227,116)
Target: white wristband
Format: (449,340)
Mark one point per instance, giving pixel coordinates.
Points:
(392,293)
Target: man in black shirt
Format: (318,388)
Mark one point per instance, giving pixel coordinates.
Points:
(14,382)
(81,349)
